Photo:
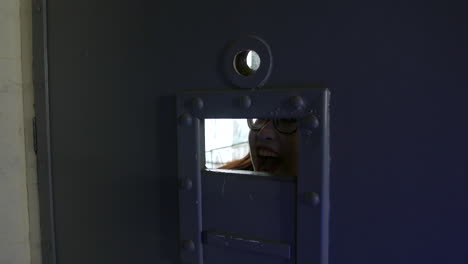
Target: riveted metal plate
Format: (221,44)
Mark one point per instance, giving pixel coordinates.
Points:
(254,204)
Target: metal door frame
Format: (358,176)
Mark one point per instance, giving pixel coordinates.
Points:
(42,130)
(193,107)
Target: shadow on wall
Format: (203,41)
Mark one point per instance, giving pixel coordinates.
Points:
(167,175)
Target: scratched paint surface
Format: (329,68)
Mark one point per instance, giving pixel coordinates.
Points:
(258,208)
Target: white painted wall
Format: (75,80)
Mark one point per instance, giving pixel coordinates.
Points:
(19,214)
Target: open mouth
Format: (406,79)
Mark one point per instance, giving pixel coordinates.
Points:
(268,160)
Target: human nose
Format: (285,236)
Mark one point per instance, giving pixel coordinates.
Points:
(267,132)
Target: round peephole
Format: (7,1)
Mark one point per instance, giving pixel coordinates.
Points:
(246,62)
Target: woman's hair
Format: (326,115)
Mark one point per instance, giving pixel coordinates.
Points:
(241,164)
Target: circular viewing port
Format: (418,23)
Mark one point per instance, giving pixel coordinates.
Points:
(246,62)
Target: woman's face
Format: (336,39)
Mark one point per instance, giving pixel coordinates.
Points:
(273,152)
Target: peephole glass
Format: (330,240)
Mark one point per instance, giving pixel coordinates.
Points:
(247,62)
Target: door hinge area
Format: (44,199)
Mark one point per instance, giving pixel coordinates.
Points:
(34,134)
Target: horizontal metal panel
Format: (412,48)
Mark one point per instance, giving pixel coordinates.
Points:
(256,206)
(273,103)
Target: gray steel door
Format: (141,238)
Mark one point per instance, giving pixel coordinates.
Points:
(106,78)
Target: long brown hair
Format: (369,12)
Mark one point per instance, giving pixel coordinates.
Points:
(244,163)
